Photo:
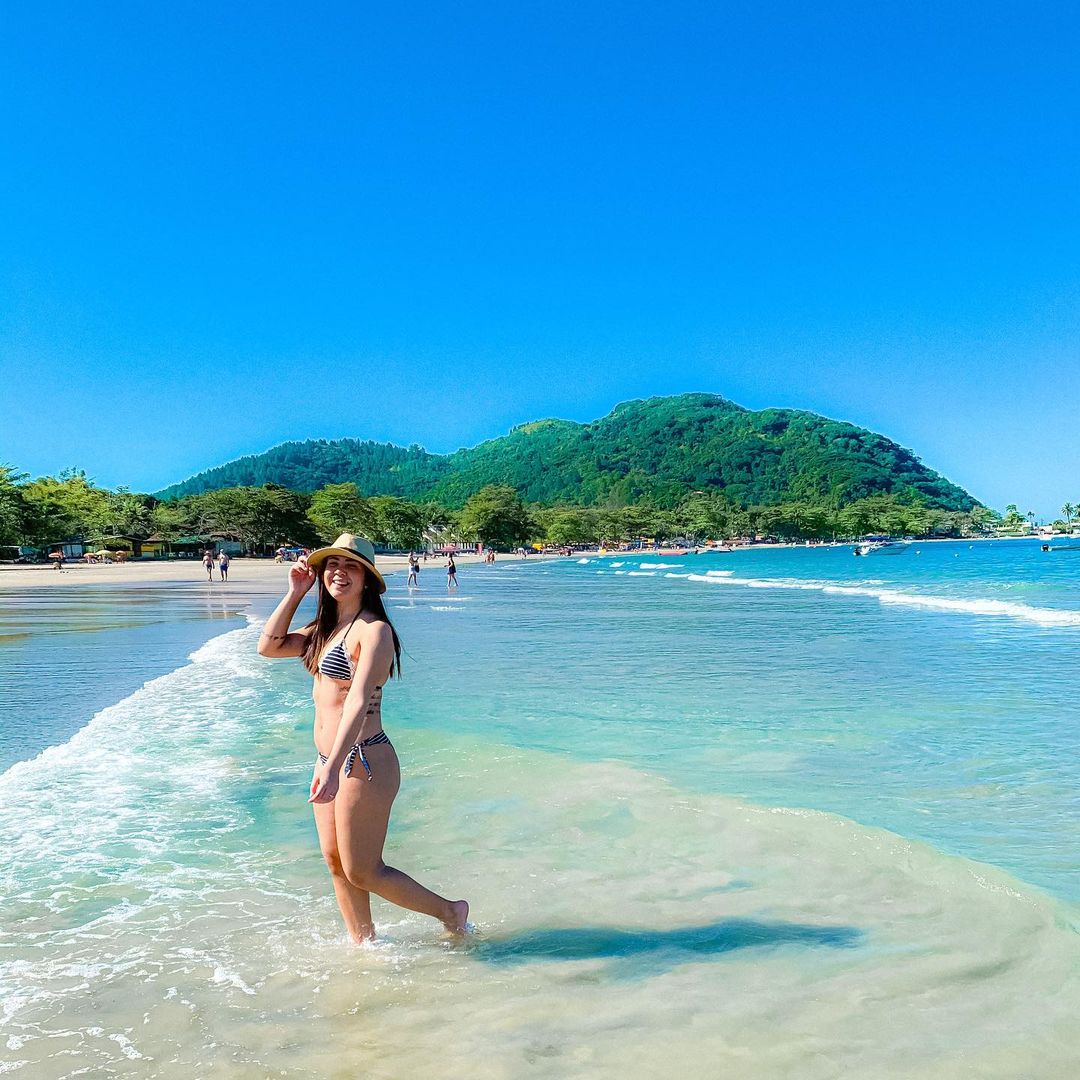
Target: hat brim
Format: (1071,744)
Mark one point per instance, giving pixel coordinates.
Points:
(317,558)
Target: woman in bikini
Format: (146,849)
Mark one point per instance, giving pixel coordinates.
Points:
(351,650)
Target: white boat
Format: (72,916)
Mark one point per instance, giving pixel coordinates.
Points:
(871,544)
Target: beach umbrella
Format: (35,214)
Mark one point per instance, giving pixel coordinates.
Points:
(104,554)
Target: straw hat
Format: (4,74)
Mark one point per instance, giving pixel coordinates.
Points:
(349,546)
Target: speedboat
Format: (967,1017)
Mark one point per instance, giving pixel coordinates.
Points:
(869,544)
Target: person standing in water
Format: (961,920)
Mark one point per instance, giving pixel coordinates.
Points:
(451,572)
(208,564)
(223,566)
(414,571)
(351,649)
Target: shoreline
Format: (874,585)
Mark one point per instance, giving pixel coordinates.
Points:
(249,579)
(256,579)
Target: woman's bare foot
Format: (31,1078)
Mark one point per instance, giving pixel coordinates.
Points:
(457,921)
(366,932)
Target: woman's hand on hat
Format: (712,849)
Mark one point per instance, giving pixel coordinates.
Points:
(301,577)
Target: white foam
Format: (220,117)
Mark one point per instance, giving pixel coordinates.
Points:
(222,652)
(659,565)
(179,741)
(583,562)
(641,573)
(928,601)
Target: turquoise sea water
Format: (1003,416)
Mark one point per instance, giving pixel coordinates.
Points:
(66,653)
(772,814)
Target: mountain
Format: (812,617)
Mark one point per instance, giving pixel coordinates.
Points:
(660,448)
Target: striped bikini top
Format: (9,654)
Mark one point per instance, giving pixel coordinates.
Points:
(335,664)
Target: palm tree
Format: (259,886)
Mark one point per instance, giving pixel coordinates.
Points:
(1031,517)
(1068,510)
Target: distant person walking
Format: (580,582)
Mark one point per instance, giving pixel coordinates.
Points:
(223,566)
(208,564)
(414,571)
(451,572)
(352,650)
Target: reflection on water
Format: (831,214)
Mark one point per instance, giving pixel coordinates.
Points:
(67,653)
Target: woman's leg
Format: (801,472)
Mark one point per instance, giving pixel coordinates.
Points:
(355,903)
(363,813)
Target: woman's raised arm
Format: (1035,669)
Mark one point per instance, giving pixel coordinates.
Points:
(276,640)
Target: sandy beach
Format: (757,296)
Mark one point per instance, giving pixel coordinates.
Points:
(249,579)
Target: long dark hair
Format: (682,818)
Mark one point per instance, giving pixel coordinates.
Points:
(326,621)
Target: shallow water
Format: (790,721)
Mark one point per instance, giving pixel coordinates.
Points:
(66,653)
(742,829)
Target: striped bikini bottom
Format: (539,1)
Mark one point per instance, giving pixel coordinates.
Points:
(357,751)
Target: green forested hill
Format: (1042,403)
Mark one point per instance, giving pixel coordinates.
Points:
(661,448)
(378,468)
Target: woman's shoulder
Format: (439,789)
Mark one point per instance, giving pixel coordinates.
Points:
(371,629)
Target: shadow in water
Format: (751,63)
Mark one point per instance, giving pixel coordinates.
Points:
(658,948)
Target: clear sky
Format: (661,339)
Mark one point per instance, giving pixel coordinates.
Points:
(224,226)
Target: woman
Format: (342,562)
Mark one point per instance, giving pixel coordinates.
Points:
(351,649)
(451,572)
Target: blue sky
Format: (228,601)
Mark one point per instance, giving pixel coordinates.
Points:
(226,226)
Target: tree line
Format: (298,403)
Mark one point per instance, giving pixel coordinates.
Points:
(49,510)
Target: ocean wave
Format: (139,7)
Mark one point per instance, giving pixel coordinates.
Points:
(660,565)
(641,573)
(967,606)
(180,736)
